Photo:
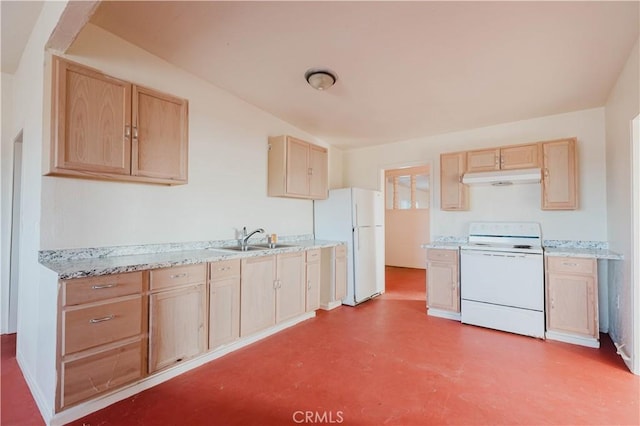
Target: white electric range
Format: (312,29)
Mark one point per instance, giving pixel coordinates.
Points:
(502,277)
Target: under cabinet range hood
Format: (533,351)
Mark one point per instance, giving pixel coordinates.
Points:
(502,177)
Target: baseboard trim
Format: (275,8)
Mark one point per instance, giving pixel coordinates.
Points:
(443,314)
(331,305)
(589,342)
(46,411)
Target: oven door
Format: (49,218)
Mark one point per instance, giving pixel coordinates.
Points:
(507,279)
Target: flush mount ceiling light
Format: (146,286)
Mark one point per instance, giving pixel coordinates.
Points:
(320,79)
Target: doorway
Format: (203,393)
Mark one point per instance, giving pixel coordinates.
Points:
(14,253)
(407,202)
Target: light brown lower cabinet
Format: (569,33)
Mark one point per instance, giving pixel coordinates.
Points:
(313,280)
(257,294)
(272,290)
(224,302)
(177,315)
(443,284)
(101,338)
(333,276)
(291,292)
(340,263)
(116,329)
(572,300)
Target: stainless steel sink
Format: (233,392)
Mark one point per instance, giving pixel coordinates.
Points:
(239,248)
(272,246)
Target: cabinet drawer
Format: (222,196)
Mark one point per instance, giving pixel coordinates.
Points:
(224,269)
(100,324)
(341,251)
(93,289)
(573,265)
(85,377)
(179,275)
(442,255)
(313,255)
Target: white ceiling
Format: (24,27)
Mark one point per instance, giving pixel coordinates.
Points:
(405,69)
(17,21)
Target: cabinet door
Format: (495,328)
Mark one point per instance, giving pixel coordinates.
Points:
(483,160)
(443,287)
(341,277)
(313,286)
(297,168)
(453,193)
(559,177)
(291,288)
(224,311)
(318,167)
(92,120)
(257,294)
(160,135)
(572,304)
(177,328)
(520,157)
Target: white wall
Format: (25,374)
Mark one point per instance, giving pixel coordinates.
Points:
(512,203)
(623,105)
(6,185)
(227,168)
(36,299)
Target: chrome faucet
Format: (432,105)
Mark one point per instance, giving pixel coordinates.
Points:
(245,236)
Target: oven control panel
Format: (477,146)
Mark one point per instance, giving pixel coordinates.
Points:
(505,229)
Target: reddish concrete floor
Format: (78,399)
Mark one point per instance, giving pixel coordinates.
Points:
(387,362)
(18,407)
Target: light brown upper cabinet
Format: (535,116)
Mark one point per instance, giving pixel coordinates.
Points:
(297,169)
(454,195)
(506,158)
(110,129)
(559,175)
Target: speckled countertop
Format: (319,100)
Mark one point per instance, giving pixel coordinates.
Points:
(450,245)
(562,248)
(87,267)
(598,253)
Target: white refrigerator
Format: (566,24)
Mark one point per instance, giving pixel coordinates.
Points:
(356,216)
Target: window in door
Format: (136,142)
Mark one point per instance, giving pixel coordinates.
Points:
(407,188)
(407,195)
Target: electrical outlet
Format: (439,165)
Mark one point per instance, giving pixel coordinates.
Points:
(618,301)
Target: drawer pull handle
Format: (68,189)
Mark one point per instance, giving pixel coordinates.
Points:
(182,275)
(103,286)
(103,319)
(224,268)
(569,264)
